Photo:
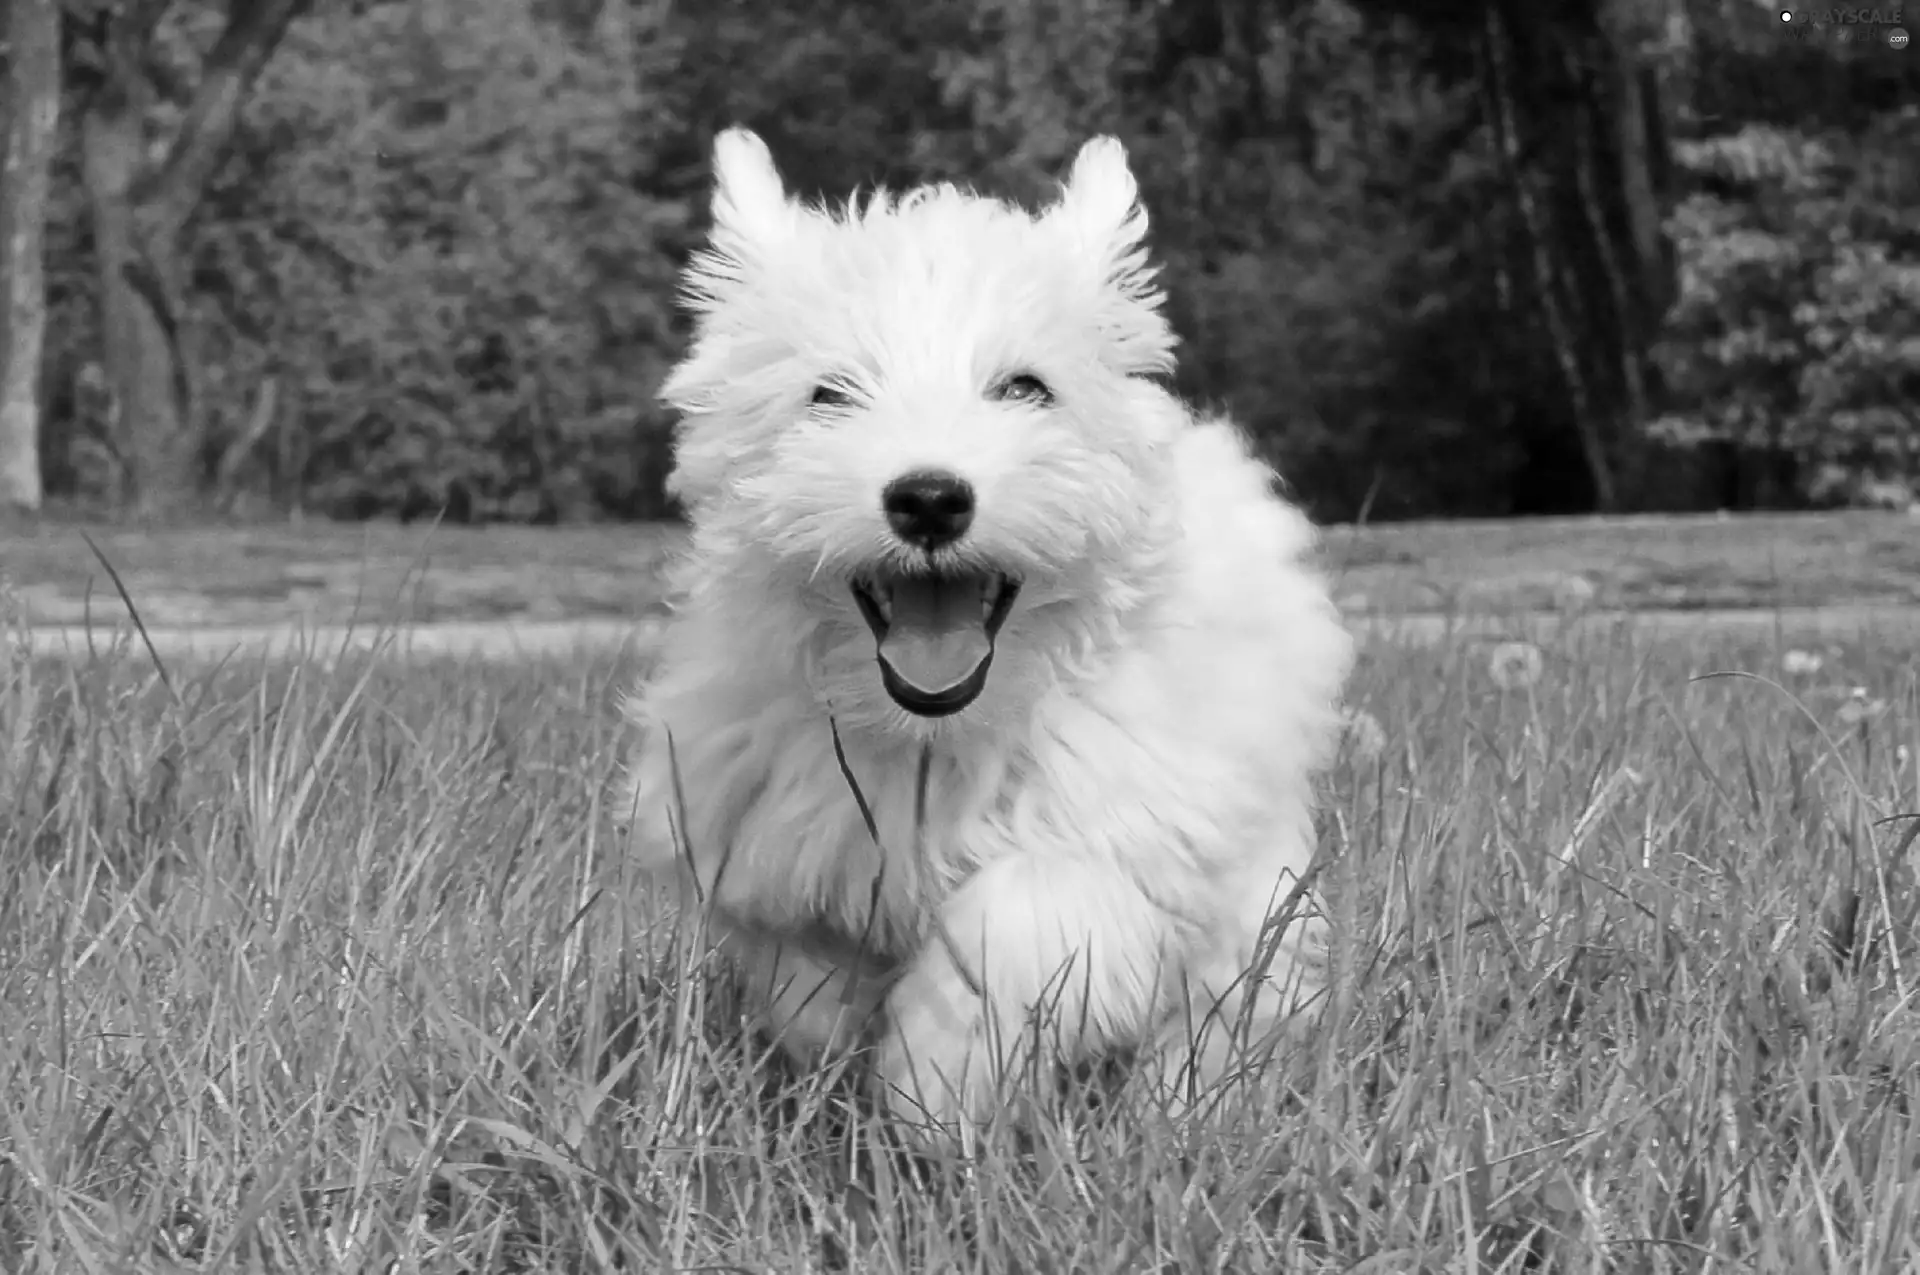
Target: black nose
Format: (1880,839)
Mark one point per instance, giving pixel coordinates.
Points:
(929,508)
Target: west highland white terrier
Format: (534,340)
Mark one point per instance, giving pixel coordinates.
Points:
(988,714)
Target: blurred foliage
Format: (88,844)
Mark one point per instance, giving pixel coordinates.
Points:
(1472,257)
(436,238)
(1798,326)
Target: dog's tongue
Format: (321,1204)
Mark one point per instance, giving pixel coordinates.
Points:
(937,635)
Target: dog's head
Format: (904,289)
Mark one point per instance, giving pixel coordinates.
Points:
(927,419)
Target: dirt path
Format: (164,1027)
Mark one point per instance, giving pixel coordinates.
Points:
(516,592)
(516,640)
(463,639)
(325,573)
(333,574)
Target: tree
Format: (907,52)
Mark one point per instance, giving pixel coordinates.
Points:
(1798,331)
(33,115)
(436,235)
(1424,251)
(1319,202)
(140,211)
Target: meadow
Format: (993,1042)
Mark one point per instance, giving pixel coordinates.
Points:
(335,966)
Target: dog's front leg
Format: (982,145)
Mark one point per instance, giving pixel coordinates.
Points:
(1066,955)
(814,1007)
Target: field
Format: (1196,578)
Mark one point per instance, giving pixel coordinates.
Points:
(336,968)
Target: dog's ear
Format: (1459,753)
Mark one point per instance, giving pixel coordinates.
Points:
(749,201)
(752,217)
(1100,210)
(1103,200)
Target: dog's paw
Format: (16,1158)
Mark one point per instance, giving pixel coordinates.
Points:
(934,1065)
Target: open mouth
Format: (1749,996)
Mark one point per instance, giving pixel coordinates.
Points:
(934,634)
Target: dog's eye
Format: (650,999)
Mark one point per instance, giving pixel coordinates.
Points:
(831,396)
(1024,388)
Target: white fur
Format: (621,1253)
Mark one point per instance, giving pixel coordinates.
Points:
(1107,828)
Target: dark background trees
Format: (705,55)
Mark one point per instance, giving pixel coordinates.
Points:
(1453,257)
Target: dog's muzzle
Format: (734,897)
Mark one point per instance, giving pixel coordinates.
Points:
(934,634)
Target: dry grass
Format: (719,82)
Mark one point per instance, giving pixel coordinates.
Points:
(336,969)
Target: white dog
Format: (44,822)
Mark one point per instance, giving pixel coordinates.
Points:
(991,663)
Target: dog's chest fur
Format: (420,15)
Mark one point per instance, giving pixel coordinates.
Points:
(789,851)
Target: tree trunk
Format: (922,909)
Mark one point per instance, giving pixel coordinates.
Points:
(1630,324)
(1633,100)
(1498,89)
(140,219)
(150,433)
(33,117)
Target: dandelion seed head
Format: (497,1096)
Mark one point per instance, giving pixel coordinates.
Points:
(1516,665)
(1860,707)
(1362,735)
(1799,663)
(1574,593)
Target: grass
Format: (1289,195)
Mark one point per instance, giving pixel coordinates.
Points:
(335,967)
(327,571)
